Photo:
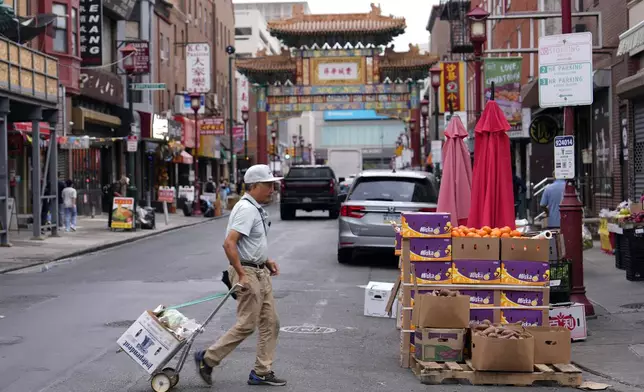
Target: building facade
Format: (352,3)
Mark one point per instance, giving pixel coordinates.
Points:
(273,10)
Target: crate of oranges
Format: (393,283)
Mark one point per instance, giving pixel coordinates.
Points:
(485,232)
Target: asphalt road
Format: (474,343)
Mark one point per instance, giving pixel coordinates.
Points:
(58,327)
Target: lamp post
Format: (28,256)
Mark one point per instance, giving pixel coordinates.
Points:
(424,112)
(302,149)
(129,67)
(195,105)
(412,129)
(436,73)
(230,50)
(294,150)
(244,113)
(274,142)
(310,146)
(478,22)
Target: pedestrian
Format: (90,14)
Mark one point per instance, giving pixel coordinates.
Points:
(69,203)
(550,201)
(61,206)
(520,190)
(210,186)
(246,247)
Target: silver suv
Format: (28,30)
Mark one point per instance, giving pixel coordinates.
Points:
(376,198)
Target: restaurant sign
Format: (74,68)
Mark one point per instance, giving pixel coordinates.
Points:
(505,72)
(102,86)
(452,89)
(198,63)
(212,126)
(141,57)
(91,32)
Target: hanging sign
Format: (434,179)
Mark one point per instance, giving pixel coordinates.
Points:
(212,126)
(452,88)
(198,64)
(91,32)
(132,143)
(141,58)
(505,72)
(564,157)
(123,213)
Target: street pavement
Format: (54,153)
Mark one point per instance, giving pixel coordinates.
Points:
(58,326)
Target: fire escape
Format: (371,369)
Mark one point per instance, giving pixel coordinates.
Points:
(455,11)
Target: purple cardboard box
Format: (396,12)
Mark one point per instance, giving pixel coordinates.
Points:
(430,249)
(477,315)
(433,272)
(479,298)
(528,317)
(426,224)
(476,272)
(528,273)
(522,298)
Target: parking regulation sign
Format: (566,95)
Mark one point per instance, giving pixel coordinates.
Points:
(564,157)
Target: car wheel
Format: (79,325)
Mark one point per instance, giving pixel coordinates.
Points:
(334,213)
(345,256)
(287,213)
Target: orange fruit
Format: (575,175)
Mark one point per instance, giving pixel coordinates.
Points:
(465,230)
(505,235)
(506,229)
(515,233)
(477,236)
(456,233)
(495,233)
(472,229)
(461,227)
(486,236)
(486,229)
(472,234)
(481,232)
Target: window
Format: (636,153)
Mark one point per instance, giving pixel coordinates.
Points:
(161,46)
(310,172)
(167,47)
(241,31)
(75,48)
(60,28)
(415,190)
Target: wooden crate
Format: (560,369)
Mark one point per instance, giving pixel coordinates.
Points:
(434,373)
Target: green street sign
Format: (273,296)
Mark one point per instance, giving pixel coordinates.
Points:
(148,86)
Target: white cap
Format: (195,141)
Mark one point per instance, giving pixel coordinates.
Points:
(259,173)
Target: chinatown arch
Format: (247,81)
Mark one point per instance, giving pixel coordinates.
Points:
(337,62)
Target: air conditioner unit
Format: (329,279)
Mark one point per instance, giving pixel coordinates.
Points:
(178,106)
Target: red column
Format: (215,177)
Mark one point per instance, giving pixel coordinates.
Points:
(415,137)
(262,148)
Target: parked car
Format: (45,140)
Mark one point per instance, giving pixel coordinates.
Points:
(345,183)
(309,188)
(375,199)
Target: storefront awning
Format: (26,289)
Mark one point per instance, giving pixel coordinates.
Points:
(631,86)
(632,40)
(81,115)
(184,158)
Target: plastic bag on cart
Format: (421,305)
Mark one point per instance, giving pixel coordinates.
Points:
(187,329)
(173,319)
(587,238)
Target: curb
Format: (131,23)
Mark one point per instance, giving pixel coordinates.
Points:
(114,244)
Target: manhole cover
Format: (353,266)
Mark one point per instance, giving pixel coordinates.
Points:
(120,324)
(307,329)
(635,306)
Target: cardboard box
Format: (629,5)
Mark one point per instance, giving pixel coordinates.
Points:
(524,249)
(528,273)
(557,246)
(376,296)
(502,355)
(478,315)
(516,298)
(439,345)
(430,249)
(551,344)
(398,244)
(465,248)
(482,298)
(441,312)
(426,224)
(476,272)
(572,317)
(428,272)
(148,342)
(528,317)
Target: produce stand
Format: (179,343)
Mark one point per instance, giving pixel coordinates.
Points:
(507,281)
(626,224)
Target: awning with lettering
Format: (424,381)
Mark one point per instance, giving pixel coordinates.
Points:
(184,158)
(632,40)
(81,115)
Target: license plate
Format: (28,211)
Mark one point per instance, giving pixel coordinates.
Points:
(306,200)
(392,217)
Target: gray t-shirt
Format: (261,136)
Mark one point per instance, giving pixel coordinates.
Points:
(246,219)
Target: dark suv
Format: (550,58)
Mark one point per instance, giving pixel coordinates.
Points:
(309,188)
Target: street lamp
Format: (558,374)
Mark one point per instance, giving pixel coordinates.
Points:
(294,149)
(302,149)
(195,105)
(436,73)
(274,142)
(129,67)
(310,153)
(424,112)
(230,51)
(478,24)
(245,119)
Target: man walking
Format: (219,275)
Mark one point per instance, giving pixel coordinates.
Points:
(550,201)
(246,247)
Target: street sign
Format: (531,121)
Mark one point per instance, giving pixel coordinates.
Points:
(566,70)
(132,143)
(564,157)
(148,86)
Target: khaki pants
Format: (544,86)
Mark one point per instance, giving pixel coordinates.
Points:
(255,309)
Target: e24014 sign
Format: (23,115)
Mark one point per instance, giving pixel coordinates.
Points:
(564,141)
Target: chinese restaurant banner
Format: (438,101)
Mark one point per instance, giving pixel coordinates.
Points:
(212,126)
(452,89)
(242,96)
(238,139)
(505,72)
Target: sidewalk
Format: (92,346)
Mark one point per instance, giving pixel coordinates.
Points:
(92,235)
(615,345)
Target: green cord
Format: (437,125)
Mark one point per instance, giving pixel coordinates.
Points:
(197,301)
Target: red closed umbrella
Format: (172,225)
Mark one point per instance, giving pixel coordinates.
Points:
(492,189)
(456,182)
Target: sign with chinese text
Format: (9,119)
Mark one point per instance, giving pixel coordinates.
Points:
(209,146)
(166,195)
(198,65)
(91,32)
(337,71)
(505,72)
(238,139)
(452,88)
(120,9)
(102,86)
(141,57)
(212,126)
(123,213)
(243,100)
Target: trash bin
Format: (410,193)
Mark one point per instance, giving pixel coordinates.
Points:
(633,257)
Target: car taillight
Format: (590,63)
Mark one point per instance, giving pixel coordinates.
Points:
(427,210)
(331,186)
(352,211)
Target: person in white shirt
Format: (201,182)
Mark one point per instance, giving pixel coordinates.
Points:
(69,203)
